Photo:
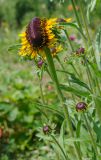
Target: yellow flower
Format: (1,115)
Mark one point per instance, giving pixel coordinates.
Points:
(38,34)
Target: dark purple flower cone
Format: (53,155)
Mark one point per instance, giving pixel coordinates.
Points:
(81,106)
(40,63)
(80,51)
(35,32)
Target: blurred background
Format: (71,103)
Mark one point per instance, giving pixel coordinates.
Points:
(20,119)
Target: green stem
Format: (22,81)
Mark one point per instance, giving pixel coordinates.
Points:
(76,14)
(85,23)
(93,54)
(72,50)
(98,85)
(75,69)
(60,95)
(69,40)
(86,27)
(62,66)
(83,18)
(66,76)
(42,96)
(89,78)
(88,73)
(78,20)
(91,135)
(55,140)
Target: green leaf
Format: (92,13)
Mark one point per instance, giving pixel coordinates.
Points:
(95,69)
(76,140)
(5,107)
(13,114)
(61,137)
(59,148)
(74,79)
(77,91)
(39,106)
(51,65)
(97,131)
(78,128)
(92,5)
(77,81)
(14,47)
(98,48)
(90,8)
(74,25)
(98,107)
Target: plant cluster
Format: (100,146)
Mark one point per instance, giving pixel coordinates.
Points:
(51,108)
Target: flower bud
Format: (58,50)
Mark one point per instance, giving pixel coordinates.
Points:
(40,63)
(81,106)
(46,129)
(72,37)
(80,51)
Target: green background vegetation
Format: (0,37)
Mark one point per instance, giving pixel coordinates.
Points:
(21,116)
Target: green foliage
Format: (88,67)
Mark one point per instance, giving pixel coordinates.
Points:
(23,113)
(91,7)
(98,48)
(21,8)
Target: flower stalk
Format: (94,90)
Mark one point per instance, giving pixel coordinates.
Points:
(73,97)
(42,95)
(97,103)
(86,28)
(76,14)
(91,83)
(55,140)
(69,40)
(60,95)
(72,51)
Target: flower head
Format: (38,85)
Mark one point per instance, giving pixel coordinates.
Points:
(81,106)
(40,63)
(72,37)
(39,34)
(80,51)
(46,129)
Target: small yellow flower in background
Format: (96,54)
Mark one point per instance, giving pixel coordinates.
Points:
(40,33)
